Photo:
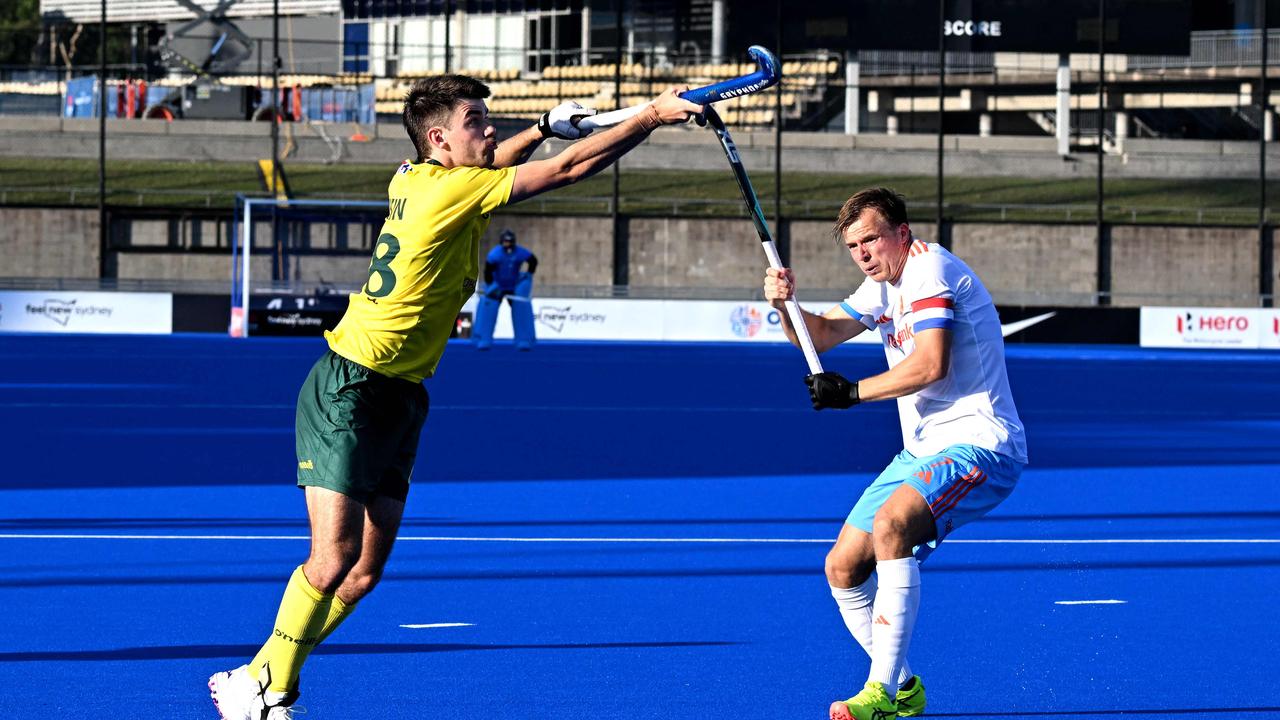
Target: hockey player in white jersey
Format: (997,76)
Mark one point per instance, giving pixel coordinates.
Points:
(963,444)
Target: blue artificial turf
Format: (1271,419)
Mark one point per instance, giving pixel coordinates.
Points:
(191,437)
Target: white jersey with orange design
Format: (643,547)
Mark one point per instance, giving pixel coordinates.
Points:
(972,405)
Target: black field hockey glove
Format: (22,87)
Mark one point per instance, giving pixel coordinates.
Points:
(831,390)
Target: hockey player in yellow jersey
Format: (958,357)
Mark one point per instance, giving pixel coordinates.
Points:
(362,407)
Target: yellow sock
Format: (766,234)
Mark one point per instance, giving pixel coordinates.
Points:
(338,612)
(303,613)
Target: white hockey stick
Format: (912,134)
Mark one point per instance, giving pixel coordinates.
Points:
(766,75)
(766,238)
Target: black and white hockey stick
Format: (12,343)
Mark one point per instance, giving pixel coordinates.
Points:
(762,229)
(765,76)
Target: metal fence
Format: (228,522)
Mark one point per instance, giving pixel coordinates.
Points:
(1212,170)
(1215,49)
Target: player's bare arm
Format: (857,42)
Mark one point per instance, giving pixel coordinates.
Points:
(587,157)
(518,148)
(560,122)
(827,330)
(927,364)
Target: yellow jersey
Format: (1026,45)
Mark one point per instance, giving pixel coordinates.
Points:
(424,267)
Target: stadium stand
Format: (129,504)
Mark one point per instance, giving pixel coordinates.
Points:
(517,95)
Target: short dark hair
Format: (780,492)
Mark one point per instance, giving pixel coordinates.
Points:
(430,102)
(889,203)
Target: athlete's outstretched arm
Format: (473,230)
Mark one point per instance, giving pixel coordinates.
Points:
(591,155)
(560,121)
(925,365)
(517,148)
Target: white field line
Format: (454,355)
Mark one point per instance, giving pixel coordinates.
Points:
(1090,602)
(423,626)
(427,538)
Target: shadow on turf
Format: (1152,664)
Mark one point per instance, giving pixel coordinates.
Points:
(193,652)
(935,567)
(31,524)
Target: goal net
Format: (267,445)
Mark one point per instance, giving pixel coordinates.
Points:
(278,255)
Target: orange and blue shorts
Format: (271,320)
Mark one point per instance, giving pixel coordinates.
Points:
(960,485)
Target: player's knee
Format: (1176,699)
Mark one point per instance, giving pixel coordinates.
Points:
(360,582)
(328,567)
(845,570)
(837,571)
(324,577)
(889,528)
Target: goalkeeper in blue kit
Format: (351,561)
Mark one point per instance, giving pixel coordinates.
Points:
(506,277)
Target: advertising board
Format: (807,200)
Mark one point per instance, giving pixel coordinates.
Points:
(1201,327)
(86,312)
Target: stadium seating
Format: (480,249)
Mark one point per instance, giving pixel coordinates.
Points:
(518,95)
(804,81)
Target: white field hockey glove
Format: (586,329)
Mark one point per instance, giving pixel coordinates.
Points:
(562,121)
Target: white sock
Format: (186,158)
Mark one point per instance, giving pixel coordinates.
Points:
(894,613)
(855,609)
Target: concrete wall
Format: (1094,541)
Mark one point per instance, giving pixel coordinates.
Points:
(49,243)
(681,252)
(182,267)
(822,266)
(149,233)
(1020,264)
(1275,269)
(570,250)
(1184,265)
(1032,264)
(345,271)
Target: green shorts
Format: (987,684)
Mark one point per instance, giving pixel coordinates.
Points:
(357,430)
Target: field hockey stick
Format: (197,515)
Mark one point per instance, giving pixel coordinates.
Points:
(762,229)
(765,76)
(517,298)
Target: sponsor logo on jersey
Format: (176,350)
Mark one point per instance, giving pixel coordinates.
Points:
(897,339)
